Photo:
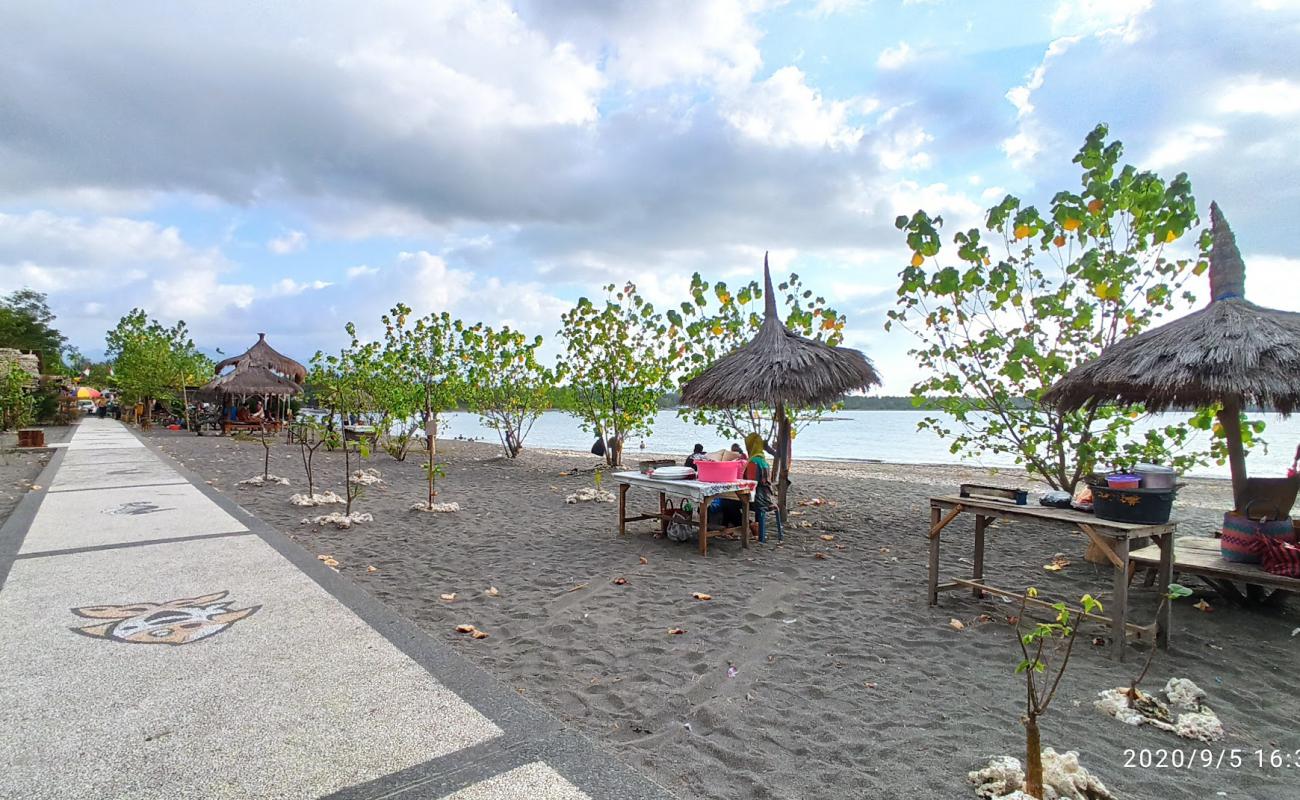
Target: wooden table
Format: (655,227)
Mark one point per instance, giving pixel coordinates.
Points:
(699,492)
(1200,556)
(1111,538)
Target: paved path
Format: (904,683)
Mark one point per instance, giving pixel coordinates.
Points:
(156,641)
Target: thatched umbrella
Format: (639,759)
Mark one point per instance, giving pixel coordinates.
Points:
(782,369)
(1232,352)
(263,355)
(252,381)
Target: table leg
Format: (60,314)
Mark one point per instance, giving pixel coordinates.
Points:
(704,527)
(622,509)
(663,515)
(744,519)
(935,515)
(1165,577)
(981,522)
(1119,601)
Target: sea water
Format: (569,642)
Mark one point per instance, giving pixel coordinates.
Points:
(889,436)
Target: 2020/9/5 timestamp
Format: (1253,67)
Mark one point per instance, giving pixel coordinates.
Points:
(1206,758)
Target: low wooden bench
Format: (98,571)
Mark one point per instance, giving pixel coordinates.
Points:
(1200,556)
(271,426)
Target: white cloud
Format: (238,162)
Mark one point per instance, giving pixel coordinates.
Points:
(290,242)
(829,8)
(288,287)
(361,271)
(896,57)
(1271,280)
(1120,18)
(1176,147)
(1252,94)
(784,110)
(901,148)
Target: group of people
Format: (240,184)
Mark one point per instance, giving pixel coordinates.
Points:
(757,469)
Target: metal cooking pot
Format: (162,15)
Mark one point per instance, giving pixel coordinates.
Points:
(1155,476)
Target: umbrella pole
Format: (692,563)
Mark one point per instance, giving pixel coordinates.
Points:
(782,457)
(1230,421)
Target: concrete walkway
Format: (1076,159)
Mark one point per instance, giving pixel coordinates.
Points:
(156,641)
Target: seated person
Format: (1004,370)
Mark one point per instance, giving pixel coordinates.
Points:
(243,416)
(696,453)
(259,413)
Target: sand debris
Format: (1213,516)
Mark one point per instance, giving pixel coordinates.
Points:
(1063,779)
(436,508)
(589,494)
(372,568)
(449,596)
(473,632)
(676,631)
(366,477)
(492,591)
(1183,712)
(265,480)
(339,520)
(319,499)
(701,596)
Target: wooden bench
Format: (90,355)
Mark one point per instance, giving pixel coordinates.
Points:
(1200,556)
(228,426)
(1110,538)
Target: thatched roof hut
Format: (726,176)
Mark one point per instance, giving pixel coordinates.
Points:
(263,355)
(781,369)
(252,382)
(1232,352)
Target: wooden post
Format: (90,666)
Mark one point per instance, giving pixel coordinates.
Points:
(1230,420)
(981,522)
(935,515)
(1166,577)
(663,514)
(744,519)
(1119,602)
(704,527)
(622,508)
(783,458)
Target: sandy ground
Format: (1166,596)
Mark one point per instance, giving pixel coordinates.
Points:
(804,676)
(19,468)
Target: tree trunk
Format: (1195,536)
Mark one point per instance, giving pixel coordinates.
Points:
(431,435)
(347,478)
(1230,421)
(1033,758)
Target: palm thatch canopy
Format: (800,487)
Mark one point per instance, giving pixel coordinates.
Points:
(1232,352)
(262,355)
(251,381)
(779,368)
(1230,348)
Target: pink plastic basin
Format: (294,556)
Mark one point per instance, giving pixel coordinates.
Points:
(719,471)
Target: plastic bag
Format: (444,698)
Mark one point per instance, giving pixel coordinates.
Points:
(598,449)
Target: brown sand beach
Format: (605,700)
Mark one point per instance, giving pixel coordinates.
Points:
(816,670)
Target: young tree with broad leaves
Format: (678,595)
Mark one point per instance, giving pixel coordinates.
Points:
(703,332)
(1011,309)
(154,362)
(339,384)
(505,384)
(429,361)
(617,363)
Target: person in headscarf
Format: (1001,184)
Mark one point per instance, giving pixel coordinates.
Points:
(758,470)
(696,453)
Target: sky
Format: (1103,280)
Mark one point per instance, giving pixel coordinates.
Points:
(288,167)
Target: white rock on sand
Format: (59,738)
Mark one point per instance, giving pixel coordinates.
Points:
(366,477)
(265,480)
(339,520)
(1195,720)
(590,495)
(318,499)
(1063,779)
(436,508)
